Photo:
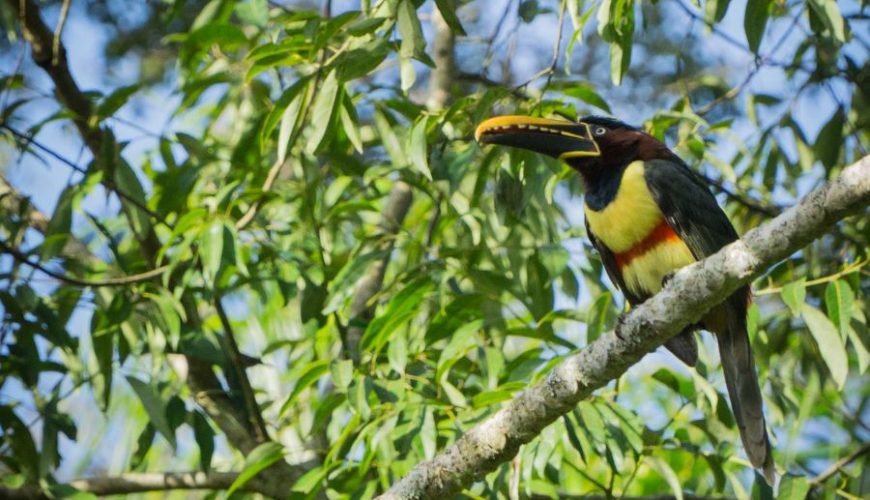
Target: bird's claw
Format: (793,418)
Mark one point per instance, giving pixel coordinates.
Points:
(666,278)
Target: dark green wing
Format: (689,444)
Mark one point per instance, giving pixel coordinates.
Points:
(689,207)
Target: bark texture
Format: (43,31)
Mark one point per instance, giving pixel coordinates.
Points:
(692,291)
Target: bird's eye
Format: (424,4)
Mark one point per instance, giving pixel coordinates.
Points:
(600,131)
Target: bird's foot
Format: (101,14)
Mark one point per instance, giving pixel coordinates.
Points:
(666,278)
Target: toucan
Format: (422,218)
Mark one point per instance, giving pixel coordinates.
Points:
(648,214)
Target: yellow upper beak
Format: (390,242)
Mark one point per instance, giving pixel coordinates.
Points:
(560,139)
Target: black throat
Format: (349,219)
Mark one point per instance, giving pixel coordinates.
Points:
(602,183)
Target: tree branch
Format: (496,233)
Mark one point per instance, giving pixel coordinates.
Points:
(71,280)
(139,483)
(839,464)
(205,385)
(683,301)
(400,198)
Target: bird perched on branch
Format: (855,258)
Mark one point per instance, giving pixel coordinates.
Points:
(648,215)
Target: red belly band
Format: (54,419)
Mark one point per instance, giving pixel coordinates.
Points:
(659,234)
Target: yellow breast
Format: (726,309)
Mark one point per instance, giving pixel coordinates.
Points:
(625,222)
(643,275)
(630,216)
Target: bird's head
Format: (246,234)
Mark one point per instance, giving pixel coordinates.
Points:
(593,145)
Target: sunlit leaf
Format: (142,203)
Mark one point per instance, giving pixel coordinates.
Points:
(154,406)
(258,459)
(830,344)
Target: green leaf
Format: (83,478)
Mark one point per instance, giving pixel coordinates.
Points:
(143,444)
(587,94)
(418,151)
(453,394)
(342,373)
(462,340)
(667,473)
(311,481)
(260,457)
(359,396)
(829,13)
(403,307)
(620,59)
(715,10)
(227,36)
(211,249)
(128,183)
(447,8)
(859,336)
(114,101)
(255,12)
(57,232)
(830,140)
(278,110)
(359,62)
(596,316)
(794,295)
(349,122)
(204,436)
(323,111)
(397,352)
(342,286)
(429,434)
(413,42)
(831,345)
(365,26)
(154,407)
(291,124)
(793,488)
(754,22)
(839,299)
(528,10)
(309,374)
(17,436)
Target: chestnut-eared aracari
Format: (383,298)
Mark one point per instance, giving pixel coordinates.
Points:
(648,215)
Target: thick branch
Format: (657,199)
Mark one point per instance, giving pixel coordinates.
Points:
(52,59)
(692,291)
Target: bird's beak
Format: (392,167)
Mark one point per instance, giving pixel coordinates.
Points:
(557,138)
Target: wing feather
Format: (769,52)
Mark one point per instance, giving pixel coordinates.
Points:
(689,207)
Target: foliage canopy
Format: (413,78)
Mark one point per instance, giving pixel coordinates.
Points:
(269,237)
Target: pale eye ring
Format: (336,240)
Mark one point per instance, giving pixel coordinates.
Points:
(600,131)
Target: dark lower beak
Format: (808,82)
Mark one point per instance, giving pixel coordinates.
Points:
(557,138)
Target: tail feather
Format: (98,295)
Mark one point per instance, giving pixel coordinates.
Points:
(743,388)
(684,346)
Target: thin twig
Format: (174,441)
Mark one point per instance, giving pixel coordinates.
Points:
(235,358)
(55,48)
(488,54)
(849,269)
(839,464)
(27,140)
(551,69)
(122,280)
(750,203)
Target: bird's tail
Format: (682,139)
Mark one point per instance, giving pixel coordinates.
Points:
(742,382)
